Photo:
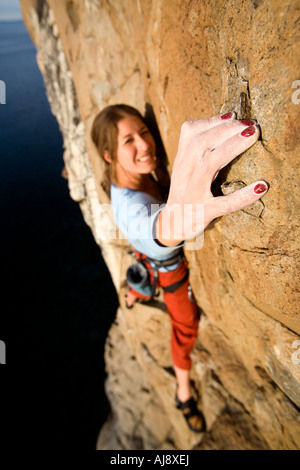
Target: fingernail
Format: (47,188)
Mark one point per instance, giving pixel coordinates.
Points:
(247,122)
(226,116)
(260,188)
(248,131)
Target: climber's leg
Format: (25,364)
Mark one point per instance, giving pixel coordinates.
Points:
(184,314)
(183,381)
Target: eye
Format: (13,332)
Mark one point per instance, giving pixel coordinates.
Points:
(128,141)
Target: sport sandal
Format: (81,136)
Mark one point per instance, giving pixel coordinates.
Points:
(195,420)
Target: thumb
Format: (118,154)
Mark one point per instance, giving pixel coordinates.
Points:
(239,199)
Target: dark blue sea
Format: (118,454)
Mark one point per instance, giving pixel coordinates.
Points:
(58,300)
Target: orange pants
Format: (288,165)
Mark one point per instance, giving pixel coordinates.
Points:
(184,313)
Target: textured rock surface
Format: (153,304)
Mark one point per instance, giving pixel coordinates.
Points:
(188,60)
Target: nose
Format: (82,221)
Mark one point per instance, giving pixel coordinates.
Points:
(142,143)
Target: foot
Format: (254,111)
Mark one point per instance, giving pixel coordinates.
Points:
(130,300)
(194,418)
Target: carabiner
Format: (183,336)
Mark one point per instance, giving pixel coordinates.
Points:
(190,294)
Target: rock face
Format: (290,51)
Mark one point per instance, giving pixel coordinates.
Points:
(187,60)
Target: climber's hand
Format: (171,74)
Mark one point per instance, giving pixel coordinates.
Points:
(205,146)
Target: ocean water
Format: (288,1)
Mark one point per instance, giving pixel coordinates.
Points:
(58,300)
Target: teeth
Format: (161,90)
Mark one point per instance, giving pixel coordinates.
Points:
(143,159)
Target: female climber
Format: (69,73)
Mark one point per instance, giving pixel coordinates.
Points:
(159,218)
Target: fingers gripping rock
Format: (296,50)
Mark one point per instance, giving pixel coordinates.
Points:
(239,198)
(255,209)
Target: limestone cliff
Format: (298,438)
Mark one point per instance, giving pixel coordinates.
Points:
(193,59)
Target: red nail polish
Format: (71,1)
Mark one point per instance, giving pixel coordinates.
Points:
(226,116)
(248,131)
(247,122)
(260,188)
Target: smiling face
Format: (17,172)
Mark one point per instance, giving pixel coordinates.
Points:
(136,149)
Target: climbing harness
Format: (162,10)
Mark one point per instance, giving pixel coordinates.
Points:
(138,277)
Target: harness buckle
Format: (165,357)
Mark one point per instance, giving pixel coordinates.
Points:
(190,294)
